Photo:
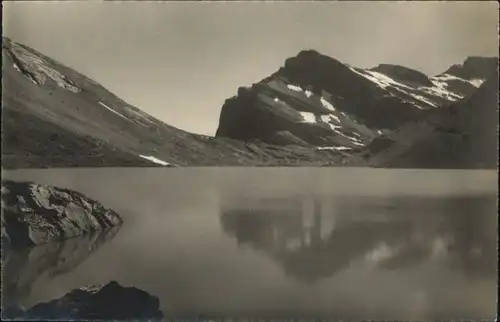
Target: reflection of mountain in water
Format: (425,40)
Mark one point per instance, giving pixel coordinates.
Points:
(316,239)
(22,267)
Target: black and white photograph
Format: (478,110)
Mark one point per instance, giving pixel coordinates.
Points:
(204,160)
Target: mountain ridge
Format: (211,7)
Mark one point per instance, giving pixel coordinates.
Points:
(313,111)
(317,100)
(49,123)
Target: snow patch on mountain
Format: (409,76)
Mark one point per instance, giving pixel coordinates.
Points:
(308,117)
(327,104)
(294,88)
(154,160)
(328,117)
(423,99)
(476,82)
(353,140)
(423,94)
(335,148)
(383,80)
(440,90)
(112,110)
(386,82)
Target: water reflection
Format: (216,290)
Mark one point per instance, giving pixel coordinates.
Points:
(23,267)
(315,238)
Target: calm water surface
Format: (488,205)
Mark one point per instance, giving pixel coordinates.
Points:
(258,242)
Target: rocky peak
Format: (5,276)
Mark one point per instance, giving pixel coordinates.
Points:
(320,72)
(403,74)
(474,67)
(6,42)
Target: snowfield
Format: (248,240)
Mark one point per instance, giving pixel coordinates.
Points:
(439,90)
(476,82)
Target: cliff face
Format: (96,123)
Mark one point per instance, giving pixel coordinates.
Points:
(34,214)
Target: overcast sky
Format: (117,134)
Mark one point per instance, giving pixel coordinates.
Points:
(179,61)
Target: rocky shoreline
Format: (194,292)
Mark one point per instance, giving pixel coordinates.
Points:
(33,214)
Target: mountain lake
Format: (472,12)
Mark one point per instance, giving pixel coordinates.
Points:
(343,243)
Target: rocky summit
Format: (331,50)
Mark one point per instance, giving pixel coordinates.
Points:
(101,302)
(313,111)
(34,214)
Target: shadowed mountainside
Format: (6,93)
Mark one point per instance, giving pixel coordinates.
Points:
(318,101)
(462,136)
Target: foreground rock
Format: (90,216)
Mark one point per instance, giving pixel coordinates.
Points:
(34,214)
(103,302)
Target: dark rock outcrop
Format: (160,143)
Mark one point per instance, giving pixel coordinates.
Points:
(33,214)
(103,302)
